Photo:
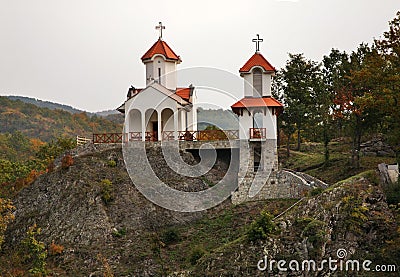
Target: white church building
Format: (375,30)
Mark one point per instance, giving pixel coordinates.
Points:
(161,110)
(164,111)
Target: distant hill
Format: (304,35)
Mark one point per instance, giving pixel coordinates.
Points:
(46,123)
(107,113)
(45,104)
(223,119)
(57,106)
(45,120)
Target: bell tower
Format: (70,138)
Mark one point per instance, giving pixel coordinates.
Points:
(257,74)
(161,62)
(257,112)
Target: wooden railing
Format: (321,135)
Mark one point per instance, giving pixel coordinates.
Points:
(205,135)
(208,135)
(151,136)
(137,136)
(108,138)
(258,133)
(168,135)
(134,136)
(82,140)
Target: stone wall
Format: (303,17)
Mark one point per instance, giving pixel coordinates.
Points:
(267,182)
(280,184)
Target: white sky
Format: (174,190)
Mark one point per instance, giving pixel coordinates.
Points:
(86,53)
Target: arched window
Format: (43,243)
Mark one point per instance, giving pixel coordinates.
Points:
(258,119)
(257,82)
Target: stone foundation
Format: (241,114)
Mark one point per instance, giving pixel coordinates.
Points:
(259,170)
(280,184)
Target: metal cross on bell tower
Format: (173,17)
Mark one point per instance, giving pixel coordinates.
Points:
(160,27)
(257,41)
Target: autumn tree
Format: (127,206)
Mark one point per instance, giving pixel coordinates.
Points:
(6,216)
(298,80)
(388,48)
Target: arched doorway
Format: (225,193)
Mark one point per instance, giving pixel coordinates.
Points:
(151,121)
(167,124)
(134,129)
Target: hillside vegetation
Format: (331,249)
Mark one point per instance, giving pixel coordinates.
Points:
(223,119)
(46,124)
(90,219)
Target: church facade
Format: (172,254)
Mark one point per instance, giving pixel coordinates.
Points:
(164,111)
(161,110)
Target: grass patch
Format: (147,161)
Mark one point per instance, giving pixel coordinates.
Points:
(186,244)
(311,161)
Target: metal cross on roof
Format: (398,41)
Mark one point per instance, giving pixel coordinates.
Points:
(160,27)
(257,41)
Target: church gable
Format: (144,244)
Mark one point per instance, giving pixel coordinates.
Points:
(155,96)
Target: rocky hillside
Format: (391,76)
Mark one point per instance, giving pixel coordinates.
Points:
(95,223)
(92,209)
(352,216)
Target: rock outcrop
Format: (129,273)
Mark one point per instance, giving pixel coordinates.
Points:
(86,207)
(353,217)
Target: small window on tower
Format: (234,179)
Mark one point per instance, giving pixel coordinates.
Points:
(257,82)
(159,75)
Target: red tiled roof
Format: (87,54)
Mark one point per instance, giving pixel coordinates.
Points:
(162,48)
(257,60)
(248,102)
(183,93)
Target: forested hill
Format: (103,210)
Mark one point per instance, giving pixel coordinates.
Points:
(46,124)
(223,119)
(45,104)
(58,106)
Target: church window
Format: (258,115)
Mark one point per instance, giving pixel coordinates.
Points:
(257,82)
(258,119)
(159,75)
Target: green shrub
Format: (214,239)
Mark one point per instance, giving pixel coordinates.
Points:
(107,191)
(262,227)
(196,254)
(392,192)
(36,252)
(316,191)
(372,176)
(119,233)
(170,236)
(315,231)
(112,163)
(6,216)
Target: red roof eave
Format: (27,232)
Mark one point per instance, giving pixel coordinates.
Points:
(249,102)
(257,60)
(160,47)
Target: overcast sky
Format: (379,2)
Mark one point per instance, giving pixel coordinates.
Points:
(86,53)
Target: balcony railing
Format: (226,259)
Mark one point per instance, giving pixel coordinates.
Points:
(151,136)
(208,135)
(205,135)
(258,133)
(108,138)
(134,136)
